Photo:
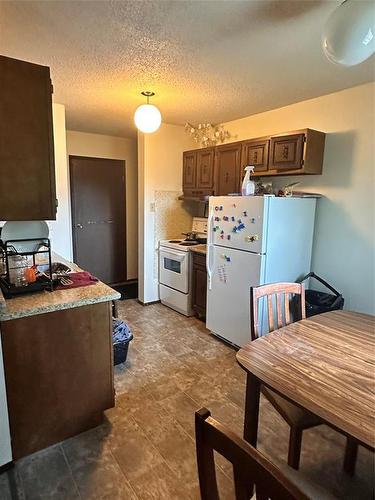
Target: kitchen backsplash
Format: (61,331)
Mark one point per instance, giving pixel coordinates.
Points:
(172,217)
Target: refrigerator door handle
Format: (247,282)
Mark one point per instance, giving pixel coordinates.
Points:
(209,249)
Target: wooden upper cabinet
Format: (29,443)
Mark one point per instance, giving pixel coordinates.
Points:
(255,152)
(189,169)
(198,172)
(27,170)
(220,170)
(287,152)
(227,169)
(205,168)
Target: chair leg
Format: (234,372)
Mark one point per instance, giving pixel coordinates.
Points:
(295,441)
(351,451)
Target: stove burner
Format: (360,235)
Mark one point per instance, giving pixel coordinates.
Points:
(189,243)
(174,241)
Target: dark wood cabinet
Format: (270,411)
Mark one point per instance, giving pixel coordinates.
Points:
(287,152)
(255,152)
(27,170)
(219,171)
(228,169)
(58,373)
(189,169)
(198,172)
(199,284)
(205,169)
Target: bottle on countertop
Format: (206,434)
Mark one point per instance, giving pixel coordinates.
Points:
(248,185)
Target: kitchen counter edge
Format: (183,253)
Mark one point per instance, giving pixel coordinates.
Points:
(58,300)
(202,249)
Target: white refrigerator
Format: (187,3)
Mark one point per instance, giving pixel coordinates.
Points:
(252,241)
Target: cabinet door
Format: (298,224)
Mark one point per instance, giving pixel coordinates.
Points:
(189,170)
(286,152)
(205,169)
(227,169)
(199,287)
(27,170)
(255,153)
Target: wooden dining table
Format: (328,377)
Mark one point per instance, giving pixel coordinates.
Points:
(325,364)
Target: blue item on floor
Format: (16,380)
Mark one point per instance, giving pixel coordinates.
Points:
(121,337)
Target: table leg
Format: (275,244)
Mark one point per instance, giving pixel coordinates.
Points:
(350,458)
(252,409)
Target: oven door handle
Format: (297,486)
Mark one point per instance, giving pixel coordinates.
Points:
(180,257)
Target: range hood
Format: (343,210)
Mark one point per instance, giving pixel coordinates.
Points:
(197,198)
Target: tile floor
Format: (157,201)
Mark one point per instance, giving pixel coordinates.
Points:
(145,449)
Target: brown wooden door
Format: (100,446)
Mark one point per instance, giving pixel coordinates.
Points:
(98,216)
(227,169)
(189,170)
(27,170)
(205,169)
(255,152)
(286,152)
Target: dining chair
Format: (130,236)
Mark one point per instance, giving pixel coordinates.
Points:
(283,293)
(250,467)
(297,418)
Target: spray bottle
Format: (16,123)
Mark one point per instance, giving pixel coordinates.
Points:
(248,186)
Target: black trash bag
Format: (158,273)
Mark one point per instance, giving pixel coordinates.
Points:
(321,302)
(121,337)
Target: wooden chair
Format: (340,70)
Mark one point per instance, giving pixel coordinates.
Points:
(250,467)
(297,418)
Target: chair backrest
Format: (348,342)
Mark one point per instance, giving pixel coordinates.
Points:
(282,293)
(250,467)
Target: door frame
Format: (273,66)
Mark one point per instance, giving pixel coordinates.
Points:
(72,207)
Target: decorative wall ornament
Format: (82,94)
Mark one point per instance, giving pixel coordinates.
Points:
(207,134)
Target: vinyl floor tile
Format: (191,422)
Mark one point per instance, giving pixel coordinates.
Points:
(145,450)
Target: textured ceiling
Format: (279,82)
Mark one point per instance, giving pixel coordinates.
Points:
(206,60)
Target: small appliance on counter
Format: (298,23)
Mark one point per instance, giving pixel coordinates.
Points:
(175,267)
(23,245)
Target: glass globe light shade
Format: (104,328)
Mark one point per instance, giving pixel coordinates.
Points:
(349,34)
(147,118)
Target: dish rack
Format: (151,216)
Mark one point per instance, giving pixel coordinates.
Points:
(13,261)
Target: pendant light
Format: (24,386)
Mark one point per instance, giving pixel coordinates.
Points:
(349,35)
(147,117)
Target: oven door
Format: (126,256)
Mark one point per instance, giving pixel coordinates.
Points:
(174,269)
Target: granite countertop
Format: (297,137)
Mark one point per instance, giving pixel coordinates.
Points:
(202,249)
(43,302)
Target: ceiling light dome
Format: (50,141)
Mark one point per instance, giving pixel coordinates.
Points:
(349,34)
(147,117)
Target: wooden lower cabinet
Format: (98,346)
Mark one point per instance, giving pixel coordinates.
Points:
(58,373)
(199,285)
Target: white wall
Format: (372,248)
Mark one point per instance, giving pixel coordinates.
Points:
(118,148)
(159,169)
(343,250)
(61,228)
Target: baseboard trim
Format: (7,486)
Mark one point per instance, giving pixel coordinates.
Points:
(148,303)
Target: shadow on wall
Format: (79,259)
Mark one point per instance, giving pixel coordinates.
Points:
(342,251)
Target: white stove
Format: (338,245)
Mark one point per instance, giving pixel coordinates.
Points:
(175,269)
(181,245)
